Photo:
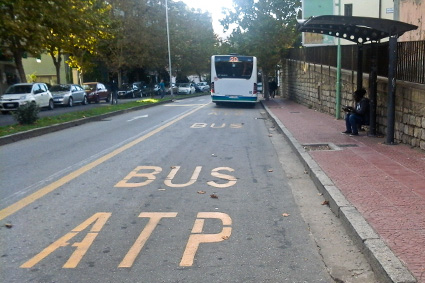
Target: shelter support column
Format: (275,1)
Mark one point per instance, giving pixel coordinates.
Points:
(391,89)
(359,66)
(373,90)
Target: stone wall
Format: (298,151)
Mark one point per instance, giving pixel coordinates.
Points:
(314,86)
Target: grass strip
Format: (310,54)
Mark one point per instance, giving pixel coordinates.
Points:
(72,116)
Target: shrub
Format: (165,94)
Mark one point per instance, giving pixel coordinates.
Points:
(27,114)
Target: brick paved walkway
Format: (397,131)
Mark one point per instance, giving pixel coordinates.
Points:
(386,183)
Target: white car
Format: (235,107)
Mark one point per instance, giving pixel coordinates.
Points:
(203,86)
(21,94)
(186,88)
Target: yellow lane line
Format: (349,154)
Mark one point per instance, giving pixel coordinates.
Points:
(71,176)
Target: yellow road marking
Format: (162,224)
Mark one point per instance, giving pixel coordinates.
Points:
(99,219)
(170,177)
(53,186)
(195,238)
(154,218)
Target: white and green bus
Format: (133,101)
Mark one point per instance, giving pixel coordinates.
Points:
(233,79)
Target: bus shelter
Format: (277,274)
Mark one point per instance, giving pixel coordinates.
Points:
(362,30)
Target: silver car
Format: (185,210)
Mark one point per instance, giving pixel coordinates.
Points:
(68,94)
(203,86)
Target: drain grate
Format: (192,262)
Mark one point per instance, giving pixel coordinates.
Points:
(311,147)
(320,146)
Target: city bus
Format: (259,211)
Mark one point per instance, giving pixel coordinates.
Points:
(233,79)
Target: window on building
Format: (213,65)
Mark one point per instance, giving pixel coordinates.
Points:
(348,9)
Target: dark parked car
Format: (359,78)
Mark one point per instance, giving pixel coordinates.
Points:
(203,86)
(129,91)
(145,89)
(197,88)
(96,92)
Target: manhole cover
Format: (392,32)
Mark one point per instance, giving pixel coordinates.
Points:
(311,147)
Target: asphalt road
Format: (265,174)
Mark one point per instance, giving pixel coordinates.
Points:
(181,192)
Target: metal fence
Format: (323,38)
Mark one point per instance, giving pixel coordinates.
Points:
(410,64)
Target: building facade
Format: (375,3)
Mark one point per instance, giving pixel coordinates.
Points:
(412,12)
(43,70)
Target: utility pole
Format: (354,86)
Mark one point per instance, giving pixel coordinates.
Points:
(338,73)
(169,49)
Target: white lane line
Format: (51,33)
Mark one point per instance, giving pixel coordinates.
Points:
(137,117)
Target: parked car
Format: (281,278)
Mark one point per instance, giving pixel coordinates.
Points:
(156,89)
(167,88)
(197,88)
(129,91)
(145,89)
(21,94)
(186,88)
(174,87)
(68,94)
(96,92)
(203,86)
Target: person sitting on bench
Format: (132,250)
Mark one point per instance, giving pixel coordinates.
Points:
(357,116)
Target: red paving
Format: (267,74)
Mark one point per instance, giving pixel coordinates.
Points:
(386,183)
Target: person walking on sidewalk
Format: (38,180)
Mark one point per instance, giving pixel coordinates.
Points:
(162,89)
(272,88)
(114,92)
(357,116)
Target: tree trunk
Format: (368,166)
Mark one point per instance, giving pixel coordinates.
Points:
(264,77)
(58,68)
(57,62)
(17,56)
(119,78)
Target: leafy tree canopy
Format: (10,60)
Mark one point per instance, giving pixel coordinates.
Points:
(265,28)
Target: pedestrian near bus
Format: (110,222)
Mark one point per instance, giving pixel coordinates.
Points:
(358,115)
(162,89)
(114,92)
(272,88)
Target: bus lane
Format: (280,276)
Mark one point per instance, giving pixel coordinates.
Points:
(201,199)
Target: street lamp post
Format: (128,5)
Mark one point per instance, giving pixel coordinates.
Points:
(169,50)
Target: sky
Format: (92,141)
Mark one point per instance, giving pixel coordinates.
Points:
(214,7)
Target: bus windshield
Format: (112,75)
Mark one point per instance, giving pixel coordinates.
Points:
(236,67)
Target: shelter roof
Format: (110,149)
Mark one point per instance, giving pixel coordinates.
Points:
(356,29)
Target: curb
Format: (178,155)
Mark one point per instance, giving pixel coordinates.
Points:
(387,267)
(57,127)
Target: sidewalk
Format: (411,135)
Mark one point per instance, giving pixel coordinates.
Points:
(377,190)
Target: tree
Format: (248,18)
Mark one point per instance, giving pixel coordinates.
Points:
(193,40)
(76,32)
(20,31)
(140,38)
(58,26)
(134,24)
(265,28)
